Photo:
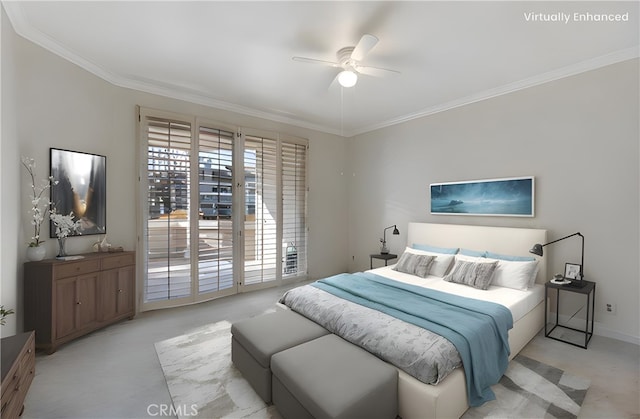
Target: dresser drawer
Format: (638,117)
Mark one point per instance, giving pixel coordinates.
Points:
(20,354)
(28,361)
(10,384)
(76,268)
(11,406)
(118,261)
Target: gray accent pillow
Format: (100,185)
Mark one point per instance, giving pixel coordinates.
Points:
(413,264)
(477,275)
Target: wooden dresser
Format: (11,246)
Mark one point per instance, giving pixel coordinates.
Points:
(67,299)
(18,368)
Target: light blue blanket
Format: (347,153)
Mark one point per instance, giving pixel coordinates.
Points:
(478,329)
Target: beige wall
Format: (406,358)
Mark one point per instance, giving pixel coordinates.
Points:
(578,136)
(58,104)
(10,211)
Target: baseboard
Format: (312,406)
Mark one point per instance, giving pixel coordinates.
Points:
(599,329)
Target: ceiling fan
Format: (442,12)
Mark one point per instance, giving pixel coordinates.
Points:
(349,58)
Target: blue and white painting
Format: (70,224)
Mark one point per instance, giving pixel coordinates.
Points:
(502,197)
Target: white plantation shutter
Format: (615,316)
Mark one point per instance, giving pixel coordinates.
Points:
(168,182)
(260,230)
(215,196)
(294,203)
(212,223)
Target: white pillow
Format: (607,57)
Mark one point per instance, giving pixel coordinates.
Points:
(474,259)
(519,275)
(440,264)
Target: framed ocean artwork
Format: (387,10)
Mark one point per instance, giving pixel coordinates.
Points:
(512,197)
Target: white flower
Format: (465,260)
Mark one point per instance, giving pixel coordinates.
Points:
(64,224)
(39,204)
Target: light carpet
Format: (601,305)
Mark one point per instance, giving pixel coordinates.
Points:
(202,379)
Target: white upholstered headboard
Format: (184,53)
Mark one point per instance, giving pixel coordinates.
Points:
(505,240)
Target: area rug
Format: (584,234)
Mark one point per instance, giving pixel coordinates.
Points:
(531,389)
(202,379)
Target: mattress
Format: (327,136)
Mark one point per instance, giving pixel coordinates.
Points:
(519,302)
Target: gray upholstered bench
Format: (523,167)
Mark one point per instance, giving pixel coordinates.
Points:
(255,340)
(331,378)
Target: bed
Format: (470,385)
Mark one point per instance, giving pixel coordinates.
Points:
(449,397)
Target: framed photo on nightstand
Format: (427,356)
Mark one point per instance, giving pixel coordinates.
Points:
(572,271)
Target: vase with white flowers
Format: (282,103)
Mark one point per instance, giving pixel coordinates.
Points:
(39,208)
(65,225)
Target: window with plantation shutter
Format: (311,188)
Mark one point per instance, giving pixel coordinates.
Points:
(215,199)
(168,272)
(261,196)
(294,204)
(220,211)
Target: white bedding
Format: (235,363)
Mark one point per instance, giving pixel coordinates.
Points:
(519,302)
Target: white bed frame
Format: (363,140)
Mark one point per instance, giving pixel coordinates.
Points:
(448,399)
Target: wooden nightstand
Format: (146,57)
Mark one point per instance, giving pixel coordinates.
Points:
(589,290)
(386,257)
(18,369)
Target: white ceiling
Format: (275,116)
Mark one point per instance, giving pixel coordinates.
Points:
(237,55)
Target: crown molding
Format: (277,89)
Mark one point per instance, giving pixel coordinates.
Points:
(27,31)
(188,95)
(568,71)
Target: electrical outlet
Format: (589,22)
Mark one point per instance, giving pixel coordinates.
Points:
(610,308)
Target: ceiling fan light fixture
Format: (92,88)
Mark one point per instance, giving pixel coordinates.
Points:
(347,78)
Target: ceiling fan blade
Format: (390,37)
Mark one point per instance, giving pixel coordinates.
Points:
(366,44)
(314,61)
(375,71)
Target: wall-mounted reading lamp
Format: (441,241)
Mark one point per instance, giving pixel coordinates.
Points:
(383,240)
(537,250)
